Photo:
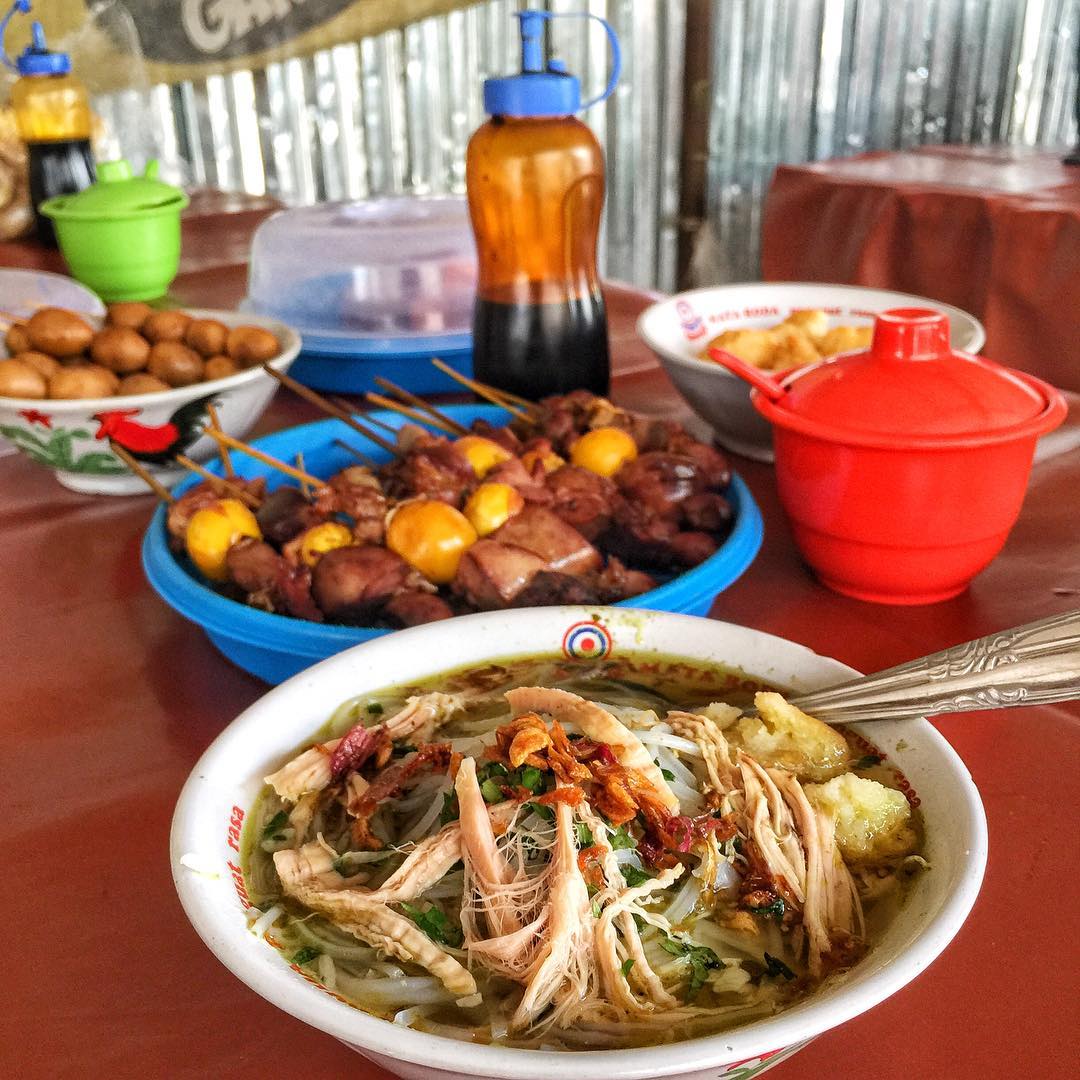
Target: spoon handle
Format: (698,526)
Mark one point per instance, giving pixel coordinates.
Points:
(1034,664)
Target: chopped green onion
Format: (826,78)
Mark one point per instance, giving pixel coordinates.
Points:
(275,823)
(435,924)
(776,967)
(596,910)
(532,779)
(491,791)
(583,834)
(633,876)
(305,956)
(544,811)
(374,708)
(627,964)
(775,909)
(620,838)
(868,761)
(701,961)
(667,774)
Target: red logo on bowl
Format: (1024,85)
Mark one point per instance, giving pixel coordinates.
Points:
(690,321)
(586,641)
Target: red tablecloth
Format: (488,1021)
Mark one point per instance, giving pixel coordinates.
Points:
(108,698)
(993,231)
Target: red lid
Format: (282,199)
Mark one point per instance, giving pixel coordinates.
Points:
(911,383)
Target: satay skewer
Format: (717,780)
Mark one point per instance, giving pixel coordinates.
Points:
(351,407)
(410,398)
(305,488)
(481,390)
(412,414)
(218,483)
(155,485)
(514,399)
(333,410)
(226,461)
(289,470)
(358,454)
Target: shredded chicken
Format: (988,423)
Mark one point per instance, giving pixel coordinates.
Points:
(307,772)
(823,879)
(565,973)
(307,874)
(423,715)
(614,949)
(397,936)
(419,718)
(598,724)
(484,862)
(772,830)
(715,752)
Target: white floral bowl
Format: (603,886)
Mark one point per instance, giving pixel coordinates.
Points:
(72,437)
(678,329)
(209,819)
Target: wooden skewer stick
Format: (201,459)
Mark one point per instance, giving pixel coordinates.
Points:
(226,461)
(525,403)
(481,390)
(289,470)
(412,414)
(304,488)
(412,399)
(351,407)
(358,454)
(218,483)
(155,485)
(505,396)
(338,413)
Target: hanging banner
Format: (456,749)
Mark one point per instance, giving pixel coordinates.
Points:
(191,39)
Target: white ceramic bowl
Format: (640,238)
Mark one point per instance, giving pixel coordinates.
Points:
(224,784)
(71,437)
(678,329)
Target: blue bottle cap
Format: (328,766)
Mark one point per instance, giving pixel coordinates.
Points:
(542,89)
(36,59)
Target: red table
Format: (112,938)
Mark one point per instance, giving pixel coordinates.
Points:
(994,231)
(109,698)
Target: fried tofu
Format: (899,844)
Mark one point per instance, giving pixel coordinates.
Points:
(813,322)
(845,339)
(751,346)
(793,348)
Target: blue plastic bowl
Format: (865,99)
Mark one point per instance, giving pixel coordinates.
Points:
(351,365)
(276,647)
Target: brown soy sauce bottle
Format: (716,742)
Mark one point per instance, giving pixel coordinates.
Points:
(535,180)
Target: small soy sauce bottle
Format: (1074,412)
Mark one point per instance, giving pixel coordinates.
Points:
(53,114)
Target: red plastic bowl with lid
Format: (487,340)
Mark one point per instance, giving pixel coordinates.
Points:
(904,467)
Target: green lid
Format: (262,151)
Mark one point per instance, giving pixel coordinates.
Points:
(118,194)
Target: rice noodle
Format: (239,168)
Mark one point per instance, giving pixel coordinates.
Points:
(266,920)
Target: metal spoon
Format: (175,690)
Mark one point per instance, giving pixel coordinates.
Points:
(1034,664)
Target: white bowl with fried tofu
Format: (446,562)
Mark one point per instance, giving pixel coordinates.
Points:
(774,327)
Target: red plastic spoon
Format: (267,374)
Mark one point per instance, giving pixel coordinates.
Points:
(748,373)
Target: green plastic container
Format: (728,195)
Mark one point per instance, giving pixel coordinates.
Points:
(121,236)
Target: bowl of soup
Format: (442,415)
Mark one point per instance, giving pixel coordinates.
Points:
(574,842)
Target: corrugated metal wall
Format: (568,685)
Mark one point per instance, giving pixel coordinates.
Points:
(792,80)
(804,80)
